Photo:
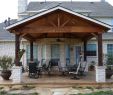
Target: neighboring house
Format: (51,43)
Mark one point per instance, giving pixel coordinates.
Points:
(101,11)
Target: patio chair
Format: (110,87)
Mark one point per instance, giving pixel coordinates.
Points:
(74,71)
(34,71)
(82,69)
(45,65)
(54,64)
(78,70)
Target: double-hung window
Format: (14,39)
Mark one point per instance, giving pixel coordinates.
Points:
(91,49)
(110,49)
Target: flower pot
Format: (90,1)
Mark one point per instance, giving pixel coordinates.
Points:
(91,68)
(6,74)
(109,73)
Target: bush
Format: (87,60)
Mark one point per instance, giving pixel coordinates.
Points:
(6,62)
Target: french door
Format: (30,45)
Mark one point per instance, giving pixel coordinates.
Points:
(77,54)
(55,51)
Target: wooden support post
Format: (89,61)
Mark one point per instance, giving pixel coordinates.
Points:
(100,56)
(17,47)
(31,50)
(85,56)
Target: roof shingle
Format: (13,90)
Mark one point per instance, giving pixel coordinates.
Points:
(102,9)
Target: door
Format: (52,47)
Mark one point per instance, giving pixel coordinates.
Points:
(55,51)
(77,54)
(67,52)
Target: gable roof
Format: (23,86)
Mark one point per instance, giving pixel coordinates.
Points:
(96,9)
(58,8)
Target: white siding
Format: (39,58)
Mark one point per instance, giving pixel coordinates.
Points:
(7,48)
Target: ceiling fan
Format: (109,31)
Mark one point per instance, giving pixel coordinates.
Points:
(60,40)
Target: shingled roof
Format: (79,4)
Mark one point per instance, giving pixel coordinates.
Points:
(6,35)
(102,9)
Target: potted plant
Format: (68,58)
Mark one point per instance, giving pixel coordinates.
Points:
(6,64)
(20,53)
(92,65)
(109,66)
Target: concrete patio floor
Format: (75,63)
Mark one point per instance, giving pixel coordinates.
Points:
(56,85)
(59,81)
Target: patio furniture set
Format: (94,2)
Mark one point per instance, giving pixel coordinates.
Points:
(76,70)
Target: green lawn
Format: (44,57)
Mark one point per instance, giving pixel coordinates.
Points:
(99,93)
(5,93)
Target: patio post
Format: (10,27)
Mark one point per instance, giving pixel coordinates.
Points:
(17,47)
(85,56)
(31,50)
(100,63)
(100,69)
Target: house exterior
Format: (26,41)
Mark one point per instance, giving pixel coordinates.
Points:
(63,46)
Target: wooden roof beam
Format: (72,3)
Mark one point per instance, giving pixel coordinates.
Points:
(67,29)
(29,37)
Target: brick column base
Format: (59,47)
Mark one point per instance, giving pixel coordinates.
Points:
(100,74)
(17,74)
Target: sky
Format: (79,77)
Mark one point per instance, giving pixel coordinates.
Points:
(9,8)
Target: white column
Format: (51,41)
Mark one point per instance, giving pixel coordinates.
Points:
(72,54)
(100,74)
(24,57)
(62,55)
(17,74)
(39,53)
(48,52)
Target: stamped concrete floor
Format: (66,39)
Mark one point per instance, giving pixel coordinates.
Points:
(55,85)
(57,80)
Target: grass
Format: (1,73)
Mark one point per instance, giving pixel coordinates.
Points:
(5,93)
(27,87)
(98,93)
(24,87)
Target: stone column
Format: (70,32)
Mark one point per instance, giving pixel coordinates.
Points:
(17,74)
(100,69)
(100,74)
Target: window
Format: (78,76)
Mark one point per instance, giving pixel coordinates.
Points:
(110,49)
(112,28)
(112,25)
(91,50)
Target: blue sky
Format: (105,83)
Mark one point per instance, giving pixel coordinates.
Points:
(9,8)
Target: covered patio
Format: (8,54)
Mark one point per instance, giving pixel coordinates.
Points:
(61,26)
